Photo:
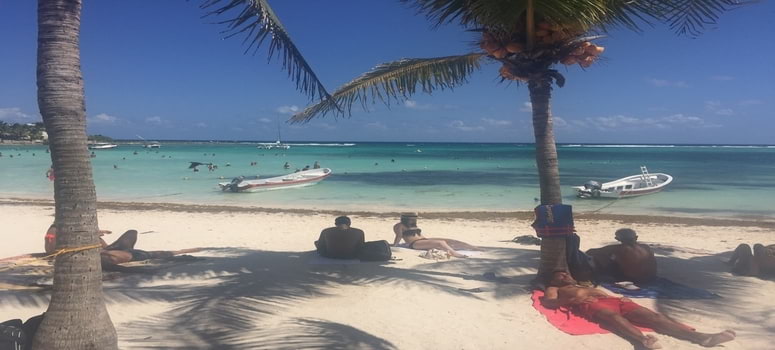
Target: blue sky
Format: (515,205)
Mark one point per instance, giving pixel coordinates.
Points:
(157,69)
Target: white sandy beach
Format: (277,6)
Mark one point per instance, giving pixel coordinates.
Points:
(256,288)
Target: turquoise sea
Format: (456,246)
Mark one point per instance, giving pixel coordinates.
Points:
(726,181)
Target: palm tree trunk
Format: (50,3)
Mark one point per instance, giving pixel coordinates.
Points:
(76,317)
(553,250)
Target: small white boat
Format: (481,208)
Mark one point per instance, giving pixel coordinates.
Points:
(152,144)
(631,186)
(254,183)
(102,145)
(276,145)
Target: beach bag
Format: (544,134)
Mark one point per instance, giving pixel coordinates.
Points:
(375,251)
(553,220)
(12,336)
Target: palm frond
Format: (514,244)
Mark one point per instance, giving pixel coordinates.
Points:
(683,16)
(397,81)
(691,17)
(257,21)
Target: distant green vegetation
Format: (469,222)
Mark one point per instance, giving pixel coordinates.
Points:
(21,132)
(99,138)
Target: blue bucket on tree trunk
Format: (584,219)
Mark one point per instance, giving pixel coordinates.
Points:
(553,220)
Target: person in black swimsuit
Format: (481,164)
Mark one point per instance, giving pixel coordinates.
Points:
(408,231)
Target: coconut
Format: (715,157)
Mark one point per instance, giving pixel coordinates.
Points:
(489,46)
(544,25)
(547,40)
(591,49)
(599,50)
(587,61)
(506,73)
(585,44)
(568,61)
(500,53)
(542,33)
(578,51)
(514,47)
(558,36)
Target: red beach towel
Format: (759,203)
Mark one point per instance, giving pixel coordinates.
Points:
(567,321)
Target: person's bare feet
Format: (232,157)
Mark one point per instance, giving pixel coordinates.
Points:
(651,342)
(718,338)
(458,255)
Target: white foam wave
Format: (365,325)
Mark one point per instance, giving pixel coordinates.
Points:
(324,144)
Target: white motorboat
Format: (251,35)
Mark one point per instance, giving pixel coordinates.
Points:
(152,144)
(254,183)
(102,145)
(631,186)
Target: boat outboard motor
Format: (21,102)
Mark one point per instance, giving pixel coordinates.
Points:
(592,188)
(234,184)
(592,185)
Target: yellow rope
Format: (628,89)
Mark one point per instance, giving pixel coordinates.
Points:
(53,255)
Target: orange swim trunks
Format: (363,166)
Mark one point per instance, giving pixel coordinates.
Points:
(613,304)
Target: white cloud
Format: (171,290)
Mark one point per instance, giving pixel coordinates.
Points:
(722,77)
(559,122)
(15,115)
(526,107)
(496,122)
(154,120)
(716,107)
(265,120)
(200,125)
(376,125)
(667,83)
(460,125)
(287,109)
(412,104)
(620,122)
(104,118)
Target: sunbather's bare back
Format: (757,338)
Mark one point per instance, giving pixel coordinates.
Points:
(636,262)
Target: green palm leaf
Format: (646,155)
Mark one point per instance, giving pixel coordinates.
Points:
(258,21)
(683,16)
(397,81)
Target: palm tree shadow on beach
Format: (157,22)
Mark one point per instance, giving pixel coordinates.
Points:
(234,298)
(740,303)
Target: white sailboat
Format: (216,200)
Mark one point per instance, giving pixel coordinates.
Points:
(274,145)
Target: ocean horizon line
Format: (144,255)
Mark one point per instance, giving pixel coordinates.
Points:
(354,142)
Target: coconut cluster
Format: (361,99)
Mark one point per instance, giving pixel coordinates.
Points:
(552,40)
(584,54)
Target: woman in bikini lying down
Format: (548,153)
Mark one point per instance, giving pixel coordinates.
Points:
(407,230)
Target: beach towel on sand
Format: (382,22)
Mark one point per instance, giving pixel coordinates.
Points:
(569,322)
(662,288)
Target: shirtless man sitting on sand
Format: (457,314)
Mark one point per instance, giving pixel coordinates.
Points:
(407,230)
(761,263)
(119,252)
(628,261)
(619,314)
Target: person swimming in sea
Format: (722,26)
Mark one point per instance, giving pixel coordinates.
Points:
(407,230)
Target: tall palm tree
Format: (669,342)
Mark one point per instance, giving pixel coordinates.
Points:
(527,38)
(77,317)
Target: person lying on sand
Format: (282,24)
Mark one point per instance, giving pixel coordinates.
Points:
(119,252)
(761,263)
(408,231)
(628,261)
(619,314)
